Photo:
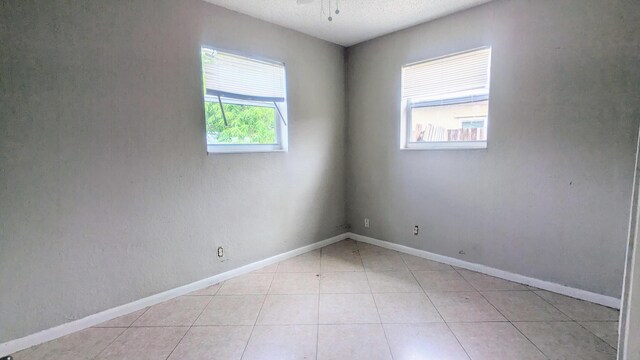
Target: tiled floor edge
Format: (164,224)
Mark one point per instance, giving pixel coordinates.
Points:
(43,336)
(522,279)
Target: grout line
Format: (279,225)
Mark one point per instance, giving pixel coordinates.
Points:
(259,312)
(573,320)
(438,311)
(202,312)
(372,294)
(379,317)
(191,326)
(318,325)
(114,340)
(125,329)
(500,312)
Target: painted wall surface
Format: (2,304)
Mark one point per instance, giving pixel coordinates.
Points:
(549,198)
(107,192)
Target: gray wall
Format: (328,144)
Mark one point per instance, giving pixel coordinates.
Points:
(550,196)
(107,193)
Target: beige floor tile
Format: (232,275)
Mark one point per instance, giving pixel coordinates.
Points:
(212,343)
(392,282)
(208,291)
(85,344)
(368,248)
(282,342)
(354,282)
(376,250)
(340,342)
(295,283)
(267,269)
(406,308)
(289,310)
(123,321)
(580,309)
(147,343)
(307,262)
(348,309)
(232,310)
(423,341)
(523,306)
(605,330)
(335,263)
(383,261)
(247,284)
(484,282)
(432,281)
(566,340)
(355,309)
(464,306)
(495,341)
(344,247)
(182,311)
(416,263)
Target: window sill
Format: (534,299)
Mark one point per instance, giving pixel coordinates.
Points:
(462,145)
(243,149)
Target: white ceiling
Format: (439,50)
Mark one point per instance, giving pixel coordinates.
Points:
(359,20)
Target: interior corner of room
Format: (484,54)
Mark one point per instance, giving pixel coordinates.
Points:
(124,181)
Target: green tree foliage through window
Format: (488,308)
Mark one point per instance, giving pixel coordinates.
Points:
(247,124)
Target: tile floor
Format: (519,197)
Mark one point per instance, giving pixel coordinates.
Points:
(353,300)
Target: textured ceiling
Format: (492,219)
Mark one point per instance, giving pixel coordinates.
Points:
(359,20)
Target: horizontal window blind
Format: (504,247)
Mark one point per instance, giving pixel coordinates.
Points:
(448,75)
(235,76)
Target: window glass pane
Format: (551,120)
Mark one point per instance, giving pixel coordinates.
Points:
(457,122)
(245,103)
(445,101)
(246,124)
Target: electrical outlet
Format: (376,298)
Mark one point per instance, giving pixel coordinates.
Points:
(220,251)
(416,230)
(366,222)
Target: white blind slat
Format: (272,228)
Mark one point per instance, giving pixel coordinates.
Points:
(240,75)
(452,74)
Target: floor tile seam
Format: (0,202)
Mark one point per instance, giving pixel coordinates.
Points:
(318,324)
(202,312)
(508,320)
(125,329)
(440,314)
(178,343)
(596,335)
(264,300)
(577,322)
(111,342)
(191,326)
(563,312)
(379,316)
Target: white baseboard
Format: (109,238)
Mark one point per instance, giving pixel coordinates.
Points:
(541,284)
(28,341)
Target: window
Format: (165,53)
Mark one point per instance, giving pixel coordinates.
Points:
(445,102)
(245,103)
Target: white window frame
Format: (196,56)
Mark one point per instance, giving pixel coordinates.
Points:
(281,116)
(407,106)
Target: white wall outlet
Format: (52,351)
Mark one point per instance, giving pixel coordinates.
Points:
(220,251)
(366,222)
(416,230)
